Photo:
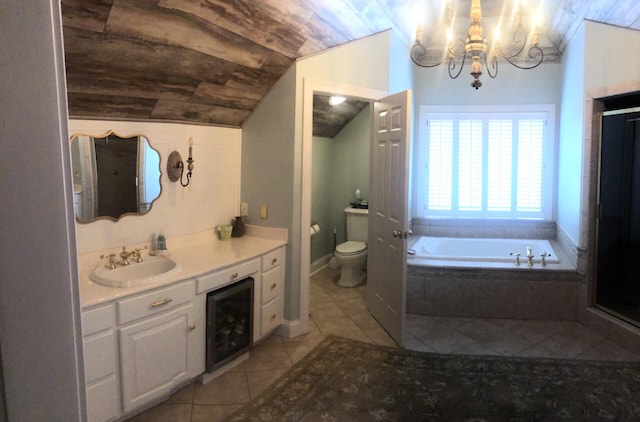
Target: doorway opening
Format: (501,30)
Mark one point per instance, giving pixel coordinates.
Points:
(311,88)
(340,172)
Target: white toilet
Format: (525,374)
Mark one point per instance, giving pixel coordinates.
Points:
(352,254)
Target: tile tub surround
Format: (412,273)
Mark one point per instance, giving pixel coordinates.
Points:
(492,293)
(493,228)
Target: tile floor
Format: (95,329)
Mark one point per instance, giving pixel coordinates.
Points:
(342,312)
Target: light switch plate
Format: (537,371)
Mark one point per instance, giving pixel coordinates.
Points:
(244,209)
(263,212)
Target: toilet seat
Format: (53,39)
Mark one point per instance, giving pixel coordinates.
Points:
(351,247)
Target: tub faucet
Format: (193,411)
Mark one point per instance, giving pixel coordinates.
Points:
(529,256)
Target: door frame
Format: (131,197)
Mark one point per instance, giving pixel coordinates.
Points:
(311,87)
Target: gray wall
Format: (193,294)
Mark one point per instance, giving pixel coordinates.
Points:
(40,333)
(321,191)
(350,168)
(268,156)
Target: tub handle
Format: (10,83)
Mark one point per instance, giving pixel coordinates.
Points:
(517,255)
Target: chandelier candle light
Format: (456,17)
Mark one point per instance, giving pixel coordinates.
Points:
(476,45)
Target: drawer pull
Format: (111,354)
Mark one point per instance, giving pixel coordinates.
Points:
(273,261)
(192,326)
(273,286)
(273,316)
(160,303)
(234,276)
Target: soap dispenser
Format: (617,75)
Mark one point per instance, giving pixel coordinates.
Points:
(161,242)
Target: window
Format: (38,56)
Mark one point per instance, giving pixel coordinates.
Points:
(486,164)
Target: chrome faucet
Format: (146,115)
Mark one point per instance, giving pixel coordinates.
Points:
(125,256)
(529,256)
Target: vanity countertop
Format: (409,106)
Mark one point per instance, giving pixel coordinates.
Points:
(196,255)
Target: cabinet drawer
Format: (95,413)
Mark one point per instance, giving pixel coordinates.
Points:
(154,302)
(97,319)
(99,356)
(221,278)
(103,400)
(271,315)
(273,259)
(272,284)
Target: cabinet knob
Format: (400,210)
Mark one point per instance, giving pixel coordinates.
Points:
(273,261)
(273,286)
(273,316)
(234,276)
(192,326)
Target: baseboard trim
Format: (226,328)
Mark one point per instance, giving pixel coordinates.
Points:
(319,264)
(295,328)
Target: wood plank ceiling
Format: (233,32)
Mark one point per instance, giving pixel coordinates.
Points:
(212,61)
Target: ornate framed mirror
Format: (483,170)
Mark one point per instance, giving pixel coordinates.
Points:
(113,176)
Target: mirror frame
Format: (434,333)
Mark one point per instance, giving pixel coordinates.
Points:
(134,214)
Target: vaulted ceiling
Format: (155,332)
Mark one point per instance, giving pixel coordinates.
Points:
(212,61)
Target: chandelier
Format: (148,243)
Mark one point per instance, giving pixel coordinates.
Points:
(475,46)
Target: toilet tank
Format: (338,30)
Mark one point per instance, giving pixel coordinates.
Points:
(357,224)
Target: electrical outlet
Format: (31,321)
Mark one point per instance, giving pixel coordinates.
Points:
(263,212)
(244,209)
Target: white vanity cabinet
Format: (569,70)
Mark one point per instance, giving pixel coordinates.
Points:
(161,342)
(101,363)
(270,295)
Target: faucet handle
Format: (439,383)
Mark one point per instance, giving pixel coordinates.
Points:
(543,258)
(137,254)
(111,264)
(517,255)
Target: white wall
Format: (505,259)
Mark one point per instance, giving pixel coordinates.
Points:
(40,332)
(571,134)
(605,63)
(612,57)
(212,197)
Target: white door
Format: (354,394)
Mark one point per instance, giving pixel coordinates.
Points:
(388,213)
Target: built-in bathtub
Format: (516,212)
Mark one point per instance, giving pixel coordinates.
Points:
(480,278)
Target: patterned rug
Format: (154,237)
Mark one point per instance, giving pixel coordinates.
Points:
(346,380)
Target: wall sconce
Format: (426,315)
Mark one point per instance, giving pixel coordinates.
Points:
(175,165)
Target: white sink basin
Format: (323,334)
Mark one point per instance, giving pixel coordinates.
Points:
(151,270)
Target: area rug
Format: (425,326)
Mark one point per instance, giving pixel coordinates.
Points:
(346,380)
